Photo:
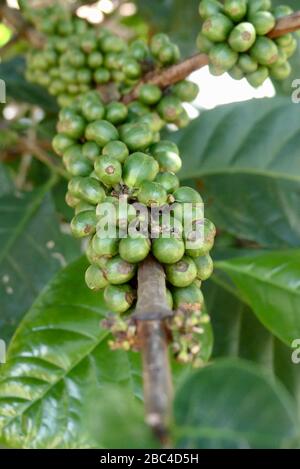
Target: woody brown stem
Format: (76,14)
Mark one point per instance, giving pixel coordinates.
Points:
(178,72)
(151,313)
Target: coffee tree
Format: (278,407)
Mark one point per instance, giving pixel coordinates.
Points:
(108,154)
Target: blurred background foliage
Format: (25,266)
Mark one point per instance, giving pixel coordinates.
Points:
(244,159)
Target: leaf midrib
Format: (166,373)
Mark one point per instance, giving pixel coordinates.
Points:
(230,267)
(232,170)
(54,383)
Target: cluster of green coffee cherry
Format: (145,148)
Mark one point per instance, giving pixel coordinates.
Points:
(114,154)
(78,57)
(234,35)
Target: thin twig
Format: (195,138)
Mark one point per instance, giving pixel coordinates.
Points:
(41,155)
(151,313)
(171,75)
(285,25)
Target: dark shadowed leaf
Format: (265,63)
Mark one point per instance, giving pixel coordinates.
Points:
(232,404)
(32,249)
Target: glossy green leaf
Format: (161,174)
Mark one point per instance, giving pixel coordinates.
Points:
(270,285)
(32,249)
(57,360)
(238,333)
(232,404)
(259,137)
(266,210)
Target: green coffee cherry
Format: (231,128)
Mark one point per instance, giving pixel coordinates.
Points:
(168,250)
(264,51)
(222,56)
(94,278)
(205,267)
(112,43)
(153,121)
(92,110)
(61,143)
(284,40)
(73,127)
(215,70)
(291,48)
(209,8)
(247,64)
(84,224)
(149,94)
(203,44)
(166,154)
(101,75)
(109,170)
(217,28)
(242,37)
(84,75)
(169,299)
(188,299)
(236,72)
(119,298)
(259,5)
(132,68)
(183,120)
(168,181)
(169,108)
(168,54)
(157,42)
(118,271)
(137,109)
(282,10)
(139,50)
(280,71)
(186,90)
(187,195)
(235,9)
(117,150)
(71,200)
(105,247)
(152,194)
(139,167)
(88,189)
(134,249)
(116,113)
(201,245)
(257,78)
(91,151)
(137,136)
(75,162)
(95,59)
(263,22)
(182,273)
(101,132)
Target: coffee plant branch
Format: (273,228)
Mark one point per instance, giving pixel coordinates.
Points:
(178,72)
(151,313)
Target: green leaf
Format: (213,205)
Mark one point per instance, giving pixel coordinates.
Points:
(270,285)
(260,137)
(266,210)
(57,360)
(238,333)
(6,184)
(232,404)
(32,249)
(12,72)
